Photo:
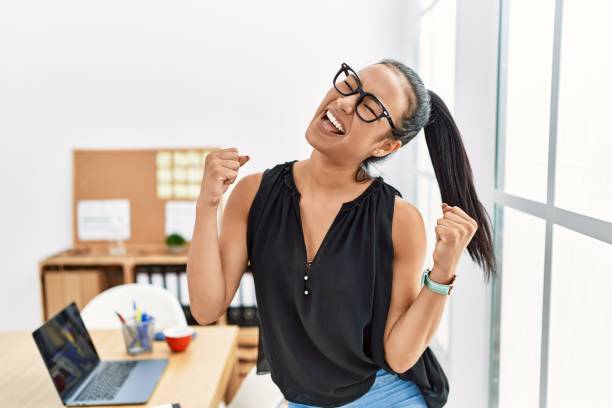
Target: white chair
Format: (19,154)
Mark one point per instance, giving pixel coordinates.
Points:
(257,391)
(158,302)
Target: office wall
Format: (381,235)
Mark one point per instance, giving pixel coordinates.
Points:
(126,74)
(475,113)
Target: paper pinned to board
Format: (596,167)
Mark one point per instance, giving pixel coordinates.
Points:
(164,190)
(103,220)
(164,175)
(164,159)
(180,218)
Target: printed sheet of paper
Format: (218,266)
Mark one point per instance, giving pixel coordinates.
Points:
(103,220)
(180,218)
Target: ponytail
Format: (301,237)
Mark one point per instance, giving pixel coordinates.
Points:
(455,180)
(450,162)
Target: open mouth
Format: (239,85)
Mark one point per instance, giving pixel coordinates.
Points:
(331,124)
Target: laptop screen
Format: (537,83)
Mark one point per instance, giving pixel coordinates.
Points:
(67,349)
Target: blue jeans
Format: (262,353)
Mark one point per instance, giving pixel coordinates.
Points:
(387,391)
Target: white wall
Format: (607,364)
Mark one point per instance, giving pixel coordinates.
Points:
(475,114)
(92,74)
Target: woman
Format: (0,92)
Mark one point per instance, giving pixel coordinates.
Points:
(336,254)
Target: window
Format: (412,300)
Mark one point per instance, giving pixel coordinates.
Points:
(579,359)
(584,144)
(527,115)
(551,325)
(520,327)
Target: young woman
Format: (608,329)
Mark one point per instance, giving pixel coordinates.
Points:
(345,311)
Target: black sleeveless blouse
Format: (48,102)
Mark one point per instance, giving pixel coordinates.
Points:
(321,324)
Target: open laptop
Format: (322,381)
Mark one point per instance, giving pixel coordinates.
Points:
(80,377)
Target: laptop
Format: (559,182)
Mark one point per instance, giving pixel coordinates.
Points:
(80,377)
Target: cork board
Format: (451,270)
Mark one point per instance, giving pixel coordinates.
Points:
(131,175)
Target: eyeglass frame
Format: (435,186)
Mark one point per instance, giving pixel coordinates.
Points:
(362,94)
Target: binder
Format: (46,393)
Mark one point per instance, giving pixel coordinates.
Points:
(184,289)
(172,283)
(249,301)
(242,310)
(234,309)
(157,278)
(142,277)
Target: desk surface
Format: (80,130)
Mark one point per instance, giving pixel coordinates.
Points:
(196,377)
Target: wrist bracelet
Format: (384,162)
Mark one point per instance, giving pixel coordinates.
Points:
(443,289)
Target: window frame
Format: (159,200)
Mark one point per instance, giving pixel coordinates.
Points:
(552,215)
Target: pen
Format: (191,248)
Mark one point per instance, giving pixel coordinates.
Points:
(129,330)
(120,318)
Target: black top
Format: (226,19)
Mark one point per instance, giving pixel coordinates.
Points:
(322,323)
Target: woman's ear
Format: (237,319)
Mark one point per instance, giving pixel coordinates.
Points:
(389,146)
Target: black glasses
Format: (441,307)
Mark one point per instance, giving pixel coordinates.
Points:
(368,107)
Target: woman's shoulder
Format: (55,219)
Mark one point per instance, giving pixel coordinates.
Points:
(248,186)
(252,182)
(390,189)
(405,213)
(404,207)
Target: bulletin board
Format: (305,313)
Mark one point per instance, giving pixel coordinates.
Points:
(147,178)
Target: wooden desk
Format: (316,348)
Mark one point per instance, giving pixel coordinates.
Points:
(197,377)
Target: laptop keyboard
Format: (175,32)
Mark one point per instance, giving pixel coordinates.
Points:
(107,382)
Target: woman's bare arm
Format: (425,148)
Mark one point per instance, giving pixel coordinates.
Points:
(216,261)
(415,311)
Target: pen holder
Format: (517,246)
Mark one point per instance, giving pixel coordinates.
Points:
(138,336)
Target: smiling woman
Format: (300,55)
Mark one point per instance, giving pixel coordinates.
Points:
(337,255)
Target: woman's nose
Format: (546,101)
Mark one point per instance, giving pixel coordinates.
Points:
(346,103)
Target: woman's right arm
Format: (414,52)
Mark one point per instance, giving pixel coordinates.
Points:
(216,262)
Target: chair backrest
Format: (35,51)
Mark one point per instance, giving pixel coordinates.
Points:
(158,302)
(257,391)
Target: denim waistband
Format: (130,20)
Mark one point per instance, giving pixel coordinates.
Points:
(387,390)
(384,377)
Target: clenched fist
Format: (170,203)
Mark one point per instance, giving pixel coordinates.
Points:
(220,170)
(454,231)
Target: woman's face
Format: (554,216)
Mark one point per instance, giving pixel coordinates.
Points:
(360,139)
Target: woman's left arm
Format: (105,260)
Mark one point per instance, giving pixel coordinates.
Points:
(415,312)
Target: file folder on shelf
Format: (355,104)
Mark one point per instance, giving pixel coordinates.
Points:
(242,310)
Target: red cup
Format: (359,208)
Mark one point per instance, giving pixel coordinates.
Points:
(178,337)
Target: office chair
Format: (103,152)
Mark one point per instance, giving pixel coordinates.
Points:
(158,302)
(257,391)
